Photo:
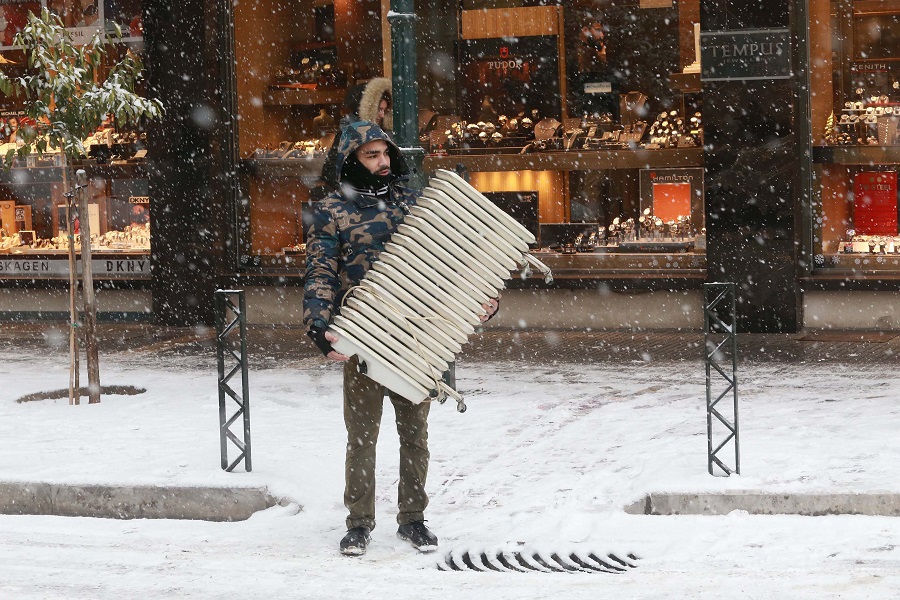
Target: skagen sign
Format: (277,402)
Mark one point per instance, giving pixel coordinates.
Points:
(745,54)
(57,268)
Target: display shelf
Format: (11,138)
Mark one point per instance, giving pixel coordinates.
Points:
(686,83)
(30,175)
(307,46)
(649,245)
(20,175)
(550,161)
(847,281)
(581,265)
(128,170)
(278,264)
(573,160)
(302,97)
(856,155)
(860,263)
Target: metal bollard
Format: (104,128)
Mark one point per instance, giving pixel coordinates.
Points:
(720,352)
(449,376)
(228,318)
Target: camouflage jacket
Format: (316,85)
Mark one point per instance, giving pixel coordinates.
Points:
(347,231)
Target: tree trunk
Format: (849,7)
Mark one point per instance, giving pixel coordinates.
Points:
(87,291)
(74,383)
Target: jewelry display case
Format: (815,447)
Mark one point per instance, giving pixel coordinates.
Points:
(34,244)
(33,203)
(856,155)
(588,162)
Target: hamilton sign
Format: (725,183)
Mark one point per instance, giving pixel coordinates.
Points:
(746,54)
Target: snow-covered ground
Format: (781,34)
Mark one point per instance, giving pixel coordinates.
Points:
(545,459)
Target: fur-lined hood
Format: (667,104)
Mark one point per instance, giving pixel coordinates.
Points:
(371,98)
(360,104)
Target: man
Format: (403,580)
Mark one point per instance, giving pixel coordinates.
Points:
(347,232)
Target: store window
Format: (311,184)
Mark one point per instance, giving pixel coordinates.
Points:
(580,118)
(855,115)
(301,57)
(33,212)
(592,109)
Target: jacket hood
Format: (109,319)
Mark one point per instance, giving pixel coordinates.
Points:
(360,133)
(370,99)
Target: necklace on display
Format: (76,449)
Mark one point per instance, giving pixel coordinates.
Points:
(634,99)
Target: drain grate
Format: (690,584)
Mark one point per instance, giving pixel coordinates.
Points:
(537,562)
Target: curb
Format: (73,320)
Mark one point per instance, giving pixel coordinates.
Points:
(763,503)
(134,502)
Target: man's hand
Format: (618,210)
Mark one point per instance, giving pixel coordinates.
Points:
(323,339)
(491,307)
(334,354)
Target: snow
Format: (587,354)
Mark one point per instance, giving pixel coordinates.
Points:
(545,459)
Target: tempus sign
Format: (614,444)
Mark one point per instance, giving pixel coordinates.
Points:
(745,54)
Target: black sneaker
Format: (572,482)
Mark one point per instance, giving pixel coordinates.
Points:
(419,536)
(355,542)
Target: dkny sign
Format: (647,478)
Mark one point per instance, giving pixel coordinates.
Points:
(745,54)
(57,268)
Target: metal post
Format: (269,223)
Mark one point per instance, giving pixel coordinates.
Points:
(720,332)
(449,376)
(225,309)
(227,65)
(402,19)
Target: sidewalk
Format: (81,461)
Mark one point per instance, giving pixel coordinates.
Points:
(269,347)
(565,431)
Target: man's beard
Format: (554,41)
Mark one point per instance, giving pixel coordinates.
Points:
(361,178)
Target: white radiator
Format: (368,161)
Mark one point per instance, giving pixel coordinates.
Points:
(408,318)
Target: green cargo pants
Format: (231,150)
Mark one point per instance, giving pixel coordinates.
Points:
(363,405)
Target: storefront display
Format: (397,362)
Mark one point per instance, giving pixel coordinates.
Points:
(33,240)
(540,97)
(858,151)
(34,204)
(587,164)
